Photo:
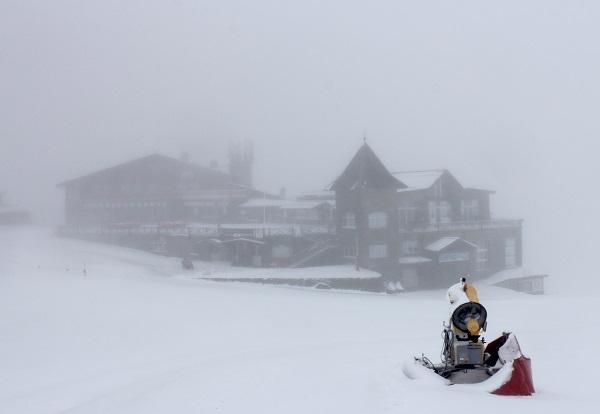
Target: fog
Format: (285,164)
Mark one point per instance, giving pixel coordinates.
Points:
(503,95)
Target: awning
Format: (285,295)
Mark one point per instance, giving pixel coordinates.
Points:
(444,242)
(413,260)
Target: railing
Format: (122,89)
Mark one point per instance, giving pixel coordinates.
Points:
(256,230)
(310,253)
(460,225)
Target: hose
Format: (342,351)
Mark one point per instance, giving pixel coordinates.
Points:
(448,337)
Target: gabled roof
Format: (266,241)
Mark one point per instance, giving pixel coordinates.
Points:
(317,195)
(166,163)
(283,204)
(367,171)
(418,180)
(444,242)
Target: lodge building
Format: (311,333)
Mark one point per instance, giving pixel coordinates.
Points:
(420,229)
(175,207)
(153,189)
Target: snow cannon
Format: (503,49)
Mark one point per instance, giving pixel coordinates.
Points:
(499,367)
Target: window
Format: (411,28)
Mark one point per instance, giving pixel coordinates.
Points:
(378,251)
(349,221)
(406,215)
(439,212)
(377,220)
(348,251)
(410,247)
(469,210)
(510,252)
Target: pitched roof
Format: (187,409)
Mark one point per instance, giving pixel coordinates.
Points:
(418,180)
(166,164)
(316,195)
(444,242)
(283,204)
(365,170)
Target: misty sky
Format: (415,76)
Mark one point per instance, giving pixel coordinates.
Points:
(505,95)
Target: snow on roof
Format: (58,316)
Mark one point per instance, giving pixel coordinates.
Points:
(240,226)
(418,180)
(480,189)
(444,242)
(413,260)
(264,202)
(303,205)
(244,240)
(283,204)
(508,274)
(316,195)
(316,273)
(255,226)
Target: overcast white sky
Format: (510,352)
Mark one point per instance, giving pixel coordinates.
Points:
(505,95)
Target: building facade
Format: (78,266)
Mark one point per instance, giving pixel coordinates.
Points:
(152,189)
(178,208)
(421,229)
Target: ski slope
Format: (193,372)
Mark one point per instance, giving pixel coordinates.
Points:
(136,334)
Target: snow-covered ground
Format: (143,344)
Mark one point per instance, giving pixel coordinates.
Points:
(138,335)
(316,272)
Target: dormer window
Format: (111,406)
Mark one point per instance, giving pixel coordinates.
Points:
(377,220)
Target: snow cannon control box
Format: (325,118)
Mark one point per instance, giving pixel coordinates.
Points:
(468,353)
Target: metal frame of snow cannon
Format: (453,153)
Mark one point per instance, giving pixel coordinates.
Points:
(466,359)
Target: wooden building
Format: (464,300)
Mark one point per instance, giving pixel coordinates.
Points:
(520,280)
(422,229)
(175,207)
(152,189)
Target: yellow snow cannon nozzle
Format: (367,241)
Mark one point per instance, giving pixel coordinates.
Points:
(473,327)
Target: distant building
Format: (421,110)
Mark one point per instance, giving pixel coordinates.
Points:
(11,215)
(422,229)
(152,189)
(520,280)
(419,229)
(175,207)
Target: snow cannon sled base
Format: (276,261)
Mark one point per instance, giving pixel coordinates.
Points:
(499,367)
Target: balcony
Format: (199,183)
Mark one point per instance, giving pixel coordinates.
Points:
(459,225)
